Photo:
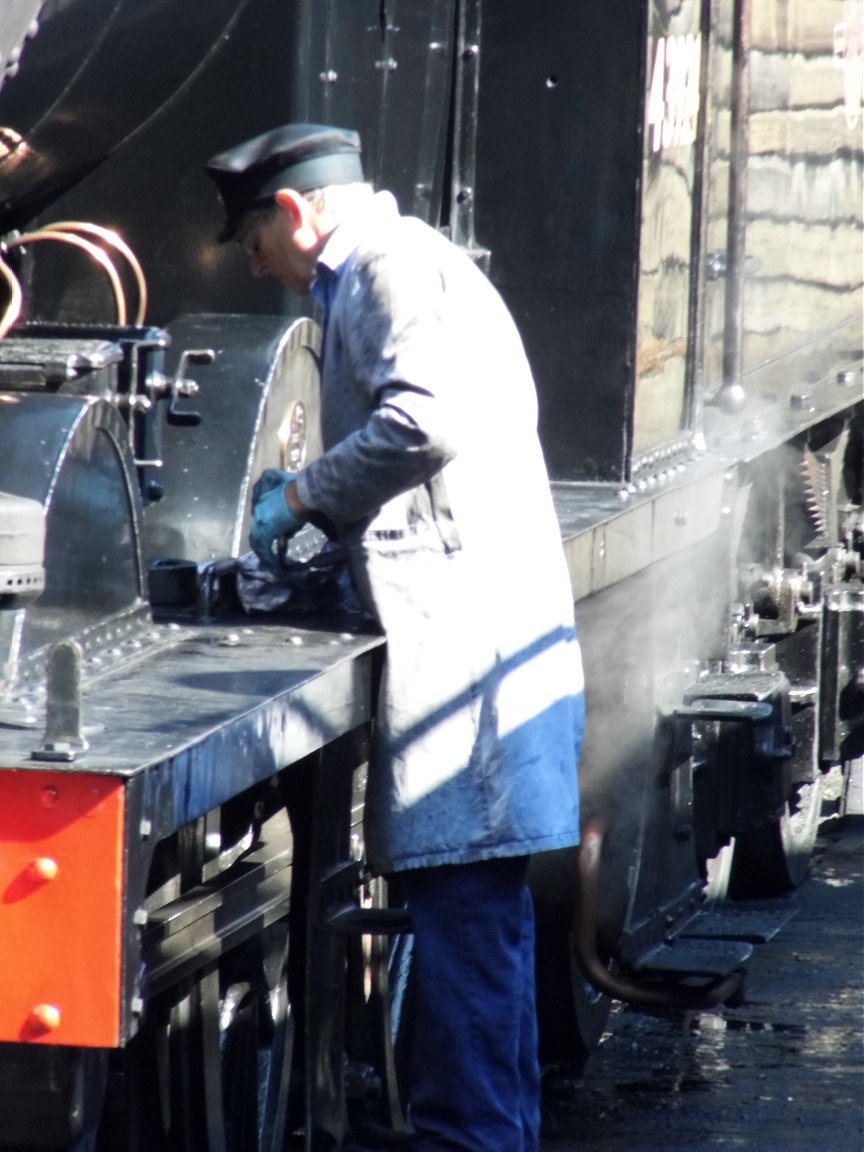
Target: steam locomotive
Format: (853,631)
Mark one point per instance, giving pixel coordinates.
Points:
(669,197)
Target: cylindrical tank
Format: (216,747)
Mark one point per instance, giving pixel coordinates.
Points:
(70,454)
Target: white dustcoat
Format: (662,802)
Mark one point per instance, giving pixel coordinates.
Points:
(434,477)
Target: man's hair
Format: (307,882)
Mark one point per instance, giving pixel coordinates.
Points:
(337,199)
(250,220)
(334,200)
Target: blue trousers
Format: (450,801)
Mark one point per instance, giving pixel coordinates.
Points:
(476,1078)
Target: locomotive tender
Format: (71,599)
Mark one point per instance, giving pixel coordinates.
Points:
(669,197)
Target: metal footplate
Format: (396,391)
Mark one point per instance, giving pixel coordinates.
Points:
(695,957)
(750,922)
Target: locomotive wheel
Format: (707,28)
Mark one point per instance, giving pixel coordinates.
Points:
(251,1070)
(571,1012)
(211,1064)
(775,859)
(717,872)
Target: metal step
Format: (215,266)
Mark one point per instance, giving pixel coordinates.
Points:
(695,957)
(357,921)
(745,922)
(341,910)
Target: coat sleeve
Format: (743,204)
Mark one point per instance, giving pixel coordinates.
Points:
(392,321)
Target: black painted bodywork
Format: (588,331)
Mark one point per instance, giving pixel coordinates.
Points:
(561,183)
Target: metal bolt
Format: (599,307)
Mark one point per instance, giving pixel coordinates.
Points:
(45,1017)
(43,869)
(50,796)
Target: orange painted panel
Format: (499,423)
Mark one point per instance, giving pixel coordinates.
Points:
(61,899)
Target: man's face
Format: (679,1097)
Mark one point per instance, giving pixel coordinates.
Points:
(276,247)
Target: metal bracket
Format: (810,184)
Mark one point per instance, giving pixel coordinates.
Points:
(64,736)
(341,910)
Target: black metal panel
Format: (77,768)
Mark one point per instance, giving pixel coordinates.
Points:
(558,163)
(668,618)
(392,84)
(383,69)
(149,183)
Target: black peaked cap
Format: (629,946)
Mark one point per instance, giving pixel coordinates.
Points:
(298,156)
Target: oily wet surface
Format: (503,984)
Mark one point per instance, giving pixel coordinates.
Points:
(780,1071)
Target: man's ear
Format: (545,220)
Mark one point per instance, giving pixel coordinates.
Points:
(302,219)
(295,206)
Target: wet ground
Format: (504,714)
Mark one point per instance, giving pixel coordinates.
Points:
(783,1071)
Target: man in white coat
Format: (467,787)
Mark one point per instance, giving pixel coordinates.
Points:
(434,480)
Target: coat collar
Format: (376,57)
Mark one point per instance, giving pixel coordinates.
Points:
(346,238)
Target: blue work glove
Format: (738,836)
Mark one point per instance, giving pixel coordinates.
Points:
(272,519)
(269,479)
